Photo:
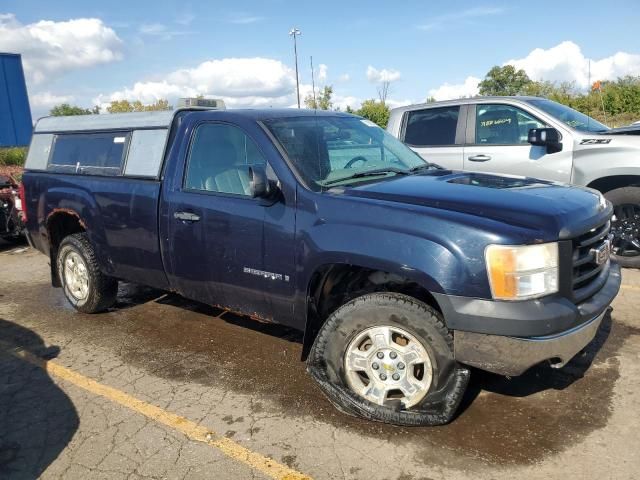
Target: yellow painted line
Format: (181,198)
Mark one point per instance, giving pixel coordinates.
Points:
(630,287)
(185,426)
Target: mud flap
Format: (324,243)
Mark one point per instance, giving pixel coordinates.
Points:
(439,409)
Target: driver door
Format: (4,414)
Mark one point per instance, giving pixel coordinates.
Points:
(215,229)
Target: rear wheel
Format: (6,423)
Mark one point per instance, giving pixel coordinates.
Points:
(84,285)
(389,357)
(625,225)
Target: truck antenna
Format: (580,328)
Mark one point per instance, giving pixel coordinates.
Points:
(589,86)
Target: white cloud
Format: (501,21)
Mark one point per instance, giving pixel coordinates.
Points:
(46,100)
(344,101)
(376,76)
(448,19)
(345,77)
(152,28)
(244,19)
(52,48)
(161,30)
(322,73)
(566,62)
(448,91)
(241,82)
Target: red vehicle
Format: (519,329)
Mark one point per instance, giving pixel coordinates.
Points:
(11,215)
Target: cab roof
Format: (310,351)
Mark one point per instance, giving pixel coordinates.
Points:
(468,101)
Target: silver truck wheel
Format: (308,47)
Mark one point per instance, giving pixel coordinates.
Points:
(85,286)
(75,275)
(387,362)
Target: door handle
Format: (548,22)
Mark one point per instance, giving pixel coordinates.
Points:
(480,158)
(186,217)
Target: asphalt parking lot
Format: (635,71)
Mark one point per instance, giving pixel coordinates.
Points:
(161,387)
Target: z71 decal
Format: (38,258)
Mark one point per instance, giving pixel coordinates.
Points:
(594,141)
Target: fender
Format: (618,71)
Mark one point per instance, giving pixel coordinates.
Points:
(80,204)
(620,158)
(427,263)
(600,176)
(430,265)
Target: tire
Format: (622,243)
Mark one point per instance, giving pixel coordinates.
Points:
(623,200)
(93,291)
(404,316)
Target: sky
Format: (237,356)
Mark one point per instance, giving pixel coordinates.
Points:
(90,53)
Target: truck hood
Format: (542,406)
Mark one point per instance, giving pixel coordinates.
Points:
(560,210)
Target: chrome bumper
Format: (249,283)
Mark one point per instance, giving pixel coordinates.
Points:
(512,356)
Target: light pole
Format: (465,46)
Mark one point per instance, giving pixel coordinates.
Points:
(295,32)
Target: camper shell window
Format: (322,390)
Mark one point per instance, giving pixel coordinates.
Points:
(100,153)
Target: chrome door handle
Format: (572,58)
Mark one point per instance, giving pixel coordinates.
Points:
(186,217)
(480,158)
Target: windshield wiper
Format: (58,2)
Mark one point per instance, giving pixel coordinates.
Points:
(368,173)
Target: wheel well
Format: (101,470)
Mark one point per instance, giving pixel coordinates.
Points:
(60,224)
(606,184)
(334,285)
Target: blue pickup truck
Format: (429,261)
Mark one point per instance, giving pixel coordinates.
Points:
(400,273)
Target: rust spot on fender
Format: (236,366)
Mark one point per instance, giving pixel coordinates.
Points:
(67,211)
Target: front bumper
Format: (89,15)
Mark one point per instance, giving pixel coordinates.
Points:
(510,337)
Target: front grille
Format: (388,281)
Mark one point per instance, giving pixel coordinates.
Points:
(589,275)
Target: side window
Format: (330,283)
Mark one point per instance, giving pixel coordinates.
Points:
(146,151)
(432,126)
(220,158)
(503,125)
(92,153)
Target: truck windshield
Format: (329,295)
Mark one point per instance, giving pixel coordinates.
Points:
(569,116)
(328,150)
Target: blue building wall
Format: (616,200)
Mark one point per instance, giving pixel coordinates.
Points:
(15,114)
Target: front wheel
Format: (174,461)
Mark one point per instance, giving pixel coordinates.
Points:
(389,357)
(84,285)
(625,225)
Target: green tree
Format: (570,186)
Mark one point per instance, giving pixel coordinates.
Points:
(124,106)
(12,156)
(504,81)
(322,101)
(377,112)
(64,109)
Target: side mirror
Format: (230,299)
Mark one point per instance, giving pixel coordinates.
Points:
(260,186)
(546,137)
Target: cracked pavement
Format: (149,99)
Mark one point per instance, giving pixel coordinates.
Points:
(244,380)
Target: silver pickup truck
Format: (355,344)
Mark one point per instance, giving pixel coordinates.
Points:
(533,137)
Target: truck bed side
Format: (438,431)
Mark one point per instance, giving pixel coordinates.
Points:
(119,214)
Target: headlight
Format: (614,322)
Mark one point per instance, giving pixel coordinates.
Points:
(603,201)
(521,272)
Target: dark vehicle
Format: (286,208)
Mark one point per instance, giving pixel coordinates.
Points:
(401,274)
(11,227)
